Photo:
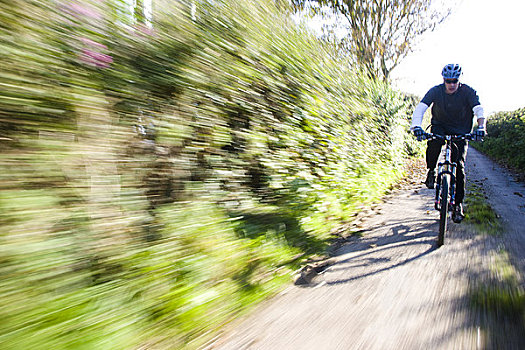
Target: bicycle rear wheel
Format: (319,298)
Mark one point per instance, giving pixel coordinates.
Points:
(443,212)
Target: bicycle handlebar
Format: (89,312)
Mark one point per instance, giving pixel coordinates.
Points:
(430,136)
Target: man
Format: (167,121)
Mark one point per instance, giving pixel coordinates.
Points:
(454,106)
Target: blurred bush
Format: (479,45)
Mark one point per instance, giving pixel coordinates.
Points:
(157,177)
(505,141)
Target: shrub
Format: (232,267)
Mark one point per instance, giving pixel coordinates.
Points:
(156,181)
(505,141)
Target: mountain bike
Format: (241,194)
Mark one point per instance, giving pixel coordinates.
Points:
(446,180)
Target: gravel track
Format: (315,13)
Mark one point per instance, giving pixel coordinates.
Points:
(393,288)
(506,195)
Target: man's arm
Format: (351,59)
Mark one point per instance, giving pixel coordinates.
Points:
(478,112)
(421,108)
(480,132)
(477,108)
(417,116)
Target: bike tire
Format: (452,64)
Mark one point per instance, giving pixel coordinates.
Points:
(443,212)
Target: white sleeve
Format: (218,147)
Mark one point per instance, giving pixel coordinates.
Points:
(417,116)
(478,111)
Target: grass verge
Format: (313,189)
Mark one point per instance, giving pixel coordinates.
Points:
(499,299)
(479,213)
(500,305)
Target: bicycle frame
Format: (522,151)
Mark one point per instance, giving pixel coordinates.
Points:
(446,167)
(446,181)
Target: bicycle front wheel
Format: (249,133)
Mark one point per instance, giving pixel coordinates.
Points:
(443,212)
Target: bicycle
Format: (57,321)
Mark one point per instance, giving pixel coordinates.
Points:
(446,180)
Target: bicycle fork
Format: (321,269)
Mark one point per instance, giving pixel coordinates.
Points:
(449,168)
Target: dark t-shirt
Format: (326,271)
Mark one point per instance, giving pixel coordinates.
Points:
(452,113)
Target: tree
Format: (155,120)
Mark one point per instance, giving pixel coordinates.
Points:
(379,33)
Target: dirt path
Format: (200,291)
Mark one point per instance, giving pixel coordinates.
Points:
(507,197)
(390,289)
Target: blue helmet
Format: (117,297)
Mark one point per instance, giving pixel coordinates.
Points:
(451,71)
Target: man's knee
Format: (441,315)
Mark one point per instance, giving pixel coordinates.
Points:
(434,148)
(435,143)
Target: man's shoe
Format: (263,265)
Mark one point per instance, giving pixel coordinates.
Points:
(457,213)
(431,179)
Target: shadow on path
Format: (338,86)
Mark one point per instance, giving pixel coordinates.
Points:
(385,247)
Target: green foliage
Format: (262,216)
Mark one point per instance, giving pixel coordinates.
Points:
(479,212)
(508,302)
(155,182)
(506,140)
(501,302)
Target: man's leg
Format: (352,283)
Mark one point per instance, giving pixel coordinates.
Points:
(432,155)
(433,151)
(459,154)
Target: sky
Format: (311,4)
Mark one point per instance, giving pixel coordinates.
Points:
(486,38)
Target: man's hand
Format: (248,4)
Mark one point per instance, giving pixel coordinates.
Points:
(479,134)
(419,133)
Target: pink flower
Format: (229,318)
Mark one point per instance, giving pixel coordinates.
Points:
(144,30)
(75,9)
(95,59)
(92,43)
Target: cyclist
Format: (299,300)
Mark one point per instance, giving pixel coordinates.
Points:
(454,106)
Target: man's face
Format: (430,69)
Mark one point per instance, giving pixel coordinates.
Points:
(451,85)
